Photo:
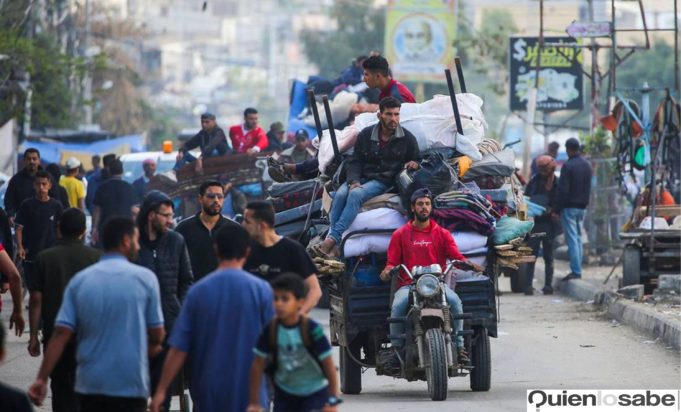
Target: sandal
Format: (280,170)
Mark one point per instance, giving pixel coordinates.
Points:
(316,251)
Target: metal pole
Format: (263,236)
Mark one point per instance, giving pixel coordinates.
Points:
(595,75)
(315,114)
(332,130)
(455,105)
(613,57)
(459,74)
(677,81)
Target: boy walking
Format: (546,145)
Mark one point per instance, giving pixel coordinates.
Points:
(295,352)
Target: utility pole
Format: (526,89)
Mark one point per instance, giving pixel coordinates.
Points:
(87,81)
(532,99)
(595,76)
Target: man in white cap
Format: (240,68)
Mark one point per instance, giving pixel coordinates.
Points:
(75,188)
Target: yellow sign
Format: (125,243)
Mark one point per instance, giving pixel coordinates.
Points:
(419,37)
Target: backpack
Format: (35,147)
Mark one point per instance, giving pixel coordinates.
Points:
(305,334)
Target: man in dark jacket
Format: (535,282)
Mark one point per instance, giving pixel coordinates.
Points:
(115,197)
(542,189)
(574,190)
(381,152)
(164,252)
(210,139)
(20,186)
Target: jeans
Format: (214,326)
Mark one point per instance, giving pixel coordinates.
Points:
(189,158)
(155,369)
(346,205)
(401,307)
(101,403)
(571,219)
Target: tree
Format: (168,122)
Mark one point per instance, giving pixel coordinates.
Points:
(359,29)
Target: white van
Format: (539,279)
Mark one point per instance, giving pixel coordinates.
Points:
(132,163)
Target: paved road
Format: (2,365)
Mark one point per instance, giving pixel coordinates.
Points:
(545,342)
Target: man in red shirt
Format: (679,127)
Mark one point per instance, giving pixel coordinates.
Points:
(248,137)
(377,75)
(422,242)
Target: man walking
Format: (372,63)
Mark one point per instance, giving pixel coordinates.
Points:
(36,225)
(248,137)
(381,152)
(210,140)
(96,179)
(164,252)
(574,190)
(201,227)
(75,188)
(54,267)
(115,197)
(140,184)
(273,255)
(218,328)
(113,309)
(20,186)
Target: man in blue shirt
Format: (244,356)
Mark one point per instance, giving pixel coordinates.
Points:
(221,319)
(113,308)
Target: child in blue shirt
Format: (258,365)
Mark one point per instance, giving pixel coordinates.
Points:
(296,354)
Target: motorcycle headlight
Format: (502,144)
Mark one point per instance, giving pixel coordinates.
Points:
(427,286)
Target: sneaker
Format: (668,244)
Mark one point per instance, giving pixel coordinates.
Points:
(462,356)
(571,276)
(547,290)
(529,292)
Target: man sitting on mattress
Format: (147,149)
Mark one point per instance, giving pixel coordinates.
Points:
(381,152)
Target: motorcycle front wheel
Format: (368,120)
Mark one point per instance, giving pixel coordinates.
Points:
(436,364)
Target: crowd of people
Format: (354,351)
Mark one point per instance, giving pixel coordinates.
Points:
(220,302)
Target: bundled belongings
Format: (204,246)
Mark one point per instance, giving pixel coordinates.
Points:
(509,228)
(493,164)
(289,195)
(434,173)
(377,219)
(464,211)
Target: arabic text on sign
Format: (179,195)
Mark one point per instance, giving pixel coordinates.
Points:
(550,56)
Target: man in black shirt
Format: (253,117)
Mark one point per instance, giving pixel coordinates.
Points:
(198,229)
(36,224)
(20,186)
(11,399)
(54,267)
(210,139)
(115,197)
(272,255)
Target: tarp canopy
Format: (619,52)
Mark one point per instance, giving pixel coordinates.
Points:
(56,152)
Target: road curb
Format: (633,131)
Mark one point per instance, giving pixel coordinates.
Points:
(630,313)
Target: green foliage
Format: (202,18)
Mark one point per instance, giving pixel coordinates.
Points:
(49,71)
(597,144)
(360,28)
(162,125)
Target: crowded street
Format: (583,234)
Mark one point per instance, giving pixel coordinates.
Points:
(544,342)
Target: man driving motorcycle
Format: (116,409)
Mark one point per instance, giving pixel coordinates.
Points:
(422,242)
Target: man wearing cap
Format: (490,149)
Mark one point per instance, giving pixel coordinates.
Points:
(381,152)
(301,151)
(574,190)
(75,188)
(140,184)
(210,139)
(422,242)
(164,252)
(275,138)
(248,137)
